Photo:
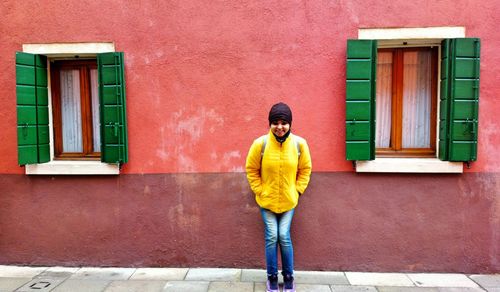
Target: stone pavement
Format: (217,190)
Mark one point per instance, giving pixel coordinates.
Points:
(64,279)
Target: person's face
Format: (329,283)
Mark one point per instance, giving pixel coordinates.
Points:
(280,128)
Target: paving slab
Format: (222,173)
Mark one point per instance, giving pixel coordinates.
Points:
(460,289)
(20,271)
(326,278)
(304,277)
(110,274)
(230,287)
(378,279)
(253,275)
(184,286)
(407,289)
(250,275)
(71,285)
(41,285)
(312,288)
(11,284)
(259,287)
(442,280)
(136,286)
(487,281)
(427,289)
(168,274)
(222,275)
(58,272)
(349,288)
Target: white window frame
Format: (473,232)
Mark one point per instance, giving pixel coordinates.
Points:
(68,167)
(408,37)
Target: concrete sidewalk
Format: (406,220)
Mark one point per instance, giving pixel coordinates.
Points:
(63,279)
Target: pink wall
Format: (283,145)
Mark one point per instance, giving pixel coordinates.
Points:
(202,75)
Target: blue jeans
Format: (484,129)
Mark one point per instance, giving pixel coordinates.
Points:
(277,231)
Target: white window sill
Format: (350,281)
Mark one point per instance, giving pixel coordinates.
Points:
(409,165)
(72,168)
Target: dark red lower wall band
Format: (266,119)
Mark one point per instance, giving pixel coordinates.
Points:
(344,222)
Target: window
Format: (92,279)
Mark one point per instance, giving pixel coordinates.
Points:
(413,101)
(406,102)
(71,109)
(75,109)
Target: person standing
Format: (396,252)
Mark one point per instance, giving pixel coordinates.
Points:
(278,168)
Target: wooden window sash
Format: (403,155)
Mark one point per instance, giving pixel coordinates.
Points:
(408,152)
(397,97)
(84,67)
(396,148)
(434,101)
(56,108)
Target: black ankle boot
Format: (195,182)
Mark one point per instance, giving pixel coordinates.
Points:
(272,283)
(289,285)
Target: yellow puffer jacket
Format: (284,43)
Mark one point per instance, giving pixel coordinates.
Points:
(283,174)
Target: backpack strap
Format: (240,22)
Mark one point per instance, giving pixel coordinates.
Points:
(264,143)
(263,148)
(297,144)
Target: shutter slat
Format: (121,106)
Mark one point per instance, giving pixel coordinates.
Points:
(360,99)
(32,109)
(444,104)
(114,144)
(459,99)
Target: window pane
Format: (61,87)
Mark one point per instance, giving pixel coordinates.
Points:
(71,111)
(416,99)
(95,111)
(384,100)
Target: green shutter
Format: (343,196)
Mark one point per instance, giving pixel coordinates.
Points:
(32,109)
(114,147)
(360,99)
(458,122)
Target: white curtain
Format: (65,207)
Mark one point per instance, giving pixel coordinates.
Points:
(417,99)
(95,110)
(384,100)
(71,110)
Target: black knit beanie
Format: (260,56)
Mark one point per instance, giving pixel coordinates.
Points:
(280,111)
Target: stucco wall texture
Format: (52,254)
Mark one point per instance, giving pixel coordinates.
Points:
(343,222)
(201,77)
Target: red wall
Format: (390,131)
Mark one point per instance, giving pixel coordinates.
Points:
(201,77)
(345,221)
